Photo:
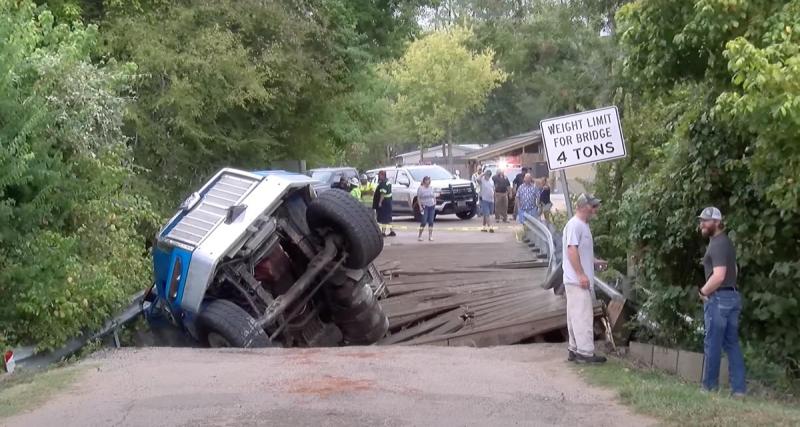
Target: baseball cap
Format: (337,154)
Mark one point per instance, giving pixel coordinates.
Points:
(587,199)
(711,213)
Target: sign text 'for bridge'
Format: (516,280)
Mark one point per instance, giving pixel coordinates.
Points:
(588,137)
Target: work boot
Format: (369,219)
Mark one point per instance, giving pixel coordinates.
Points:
(430,234)
(419,238)
(592,360)
(570,356)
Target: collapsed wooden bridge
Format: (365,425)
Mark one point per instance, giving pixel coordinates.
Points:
(449,294)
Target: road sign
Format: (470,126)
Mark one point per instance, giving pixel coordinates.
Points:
(583,138)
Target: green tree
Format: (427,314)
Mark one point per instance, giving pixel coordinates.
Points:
(438,81)
(70,245)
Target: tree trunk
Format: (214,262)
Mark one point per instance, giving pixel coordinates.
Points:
(421,154)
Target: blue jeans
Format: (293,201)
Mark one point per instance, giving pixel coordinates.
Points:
(428,214)
(721,315)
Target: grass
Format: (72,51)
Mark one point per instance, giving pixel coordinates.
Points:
(675,402)
(23,391)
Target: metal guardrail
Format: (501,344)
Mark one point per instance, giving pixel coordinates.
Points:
(28,358)
(545,236)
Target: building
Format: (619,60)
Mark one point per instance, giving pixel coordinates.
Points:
(435,154)
(526,150)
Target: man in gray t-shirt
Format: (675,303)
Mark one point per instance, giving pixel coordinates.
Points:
(579,264)
(722,305)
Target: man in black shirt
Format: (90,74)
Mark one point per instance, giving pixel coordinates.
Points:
(501,187)
(722,305)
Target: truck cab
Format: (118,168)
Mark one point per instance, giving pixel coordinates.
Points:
(254,259)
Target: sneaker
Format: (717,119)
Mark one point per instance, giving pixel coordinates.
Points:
(491,230)
(419,239)
(430,239)
(483,230)
(392,234)
(593,359)
(739,396)
(570,356)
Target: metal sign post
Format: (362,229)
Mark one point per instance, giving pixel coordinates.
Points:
(565,190)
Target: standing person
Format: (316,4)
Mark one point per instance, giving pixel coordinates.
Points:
(427,206)
(579,264)
(367,190)
(545,205)
(518,180)
(355,189)
(382,203)
(487,200)
(722,305)
(501,188)
(526,198)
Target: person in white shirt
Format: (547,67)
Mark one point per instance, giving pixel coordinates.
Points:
(487,200)
(579,265)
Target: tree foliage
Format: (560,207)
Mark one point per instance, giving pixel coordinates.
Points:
(70,248)
(711,119)
(438,80)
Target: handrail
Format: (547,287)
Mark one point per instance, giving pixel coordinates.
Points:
(544,238)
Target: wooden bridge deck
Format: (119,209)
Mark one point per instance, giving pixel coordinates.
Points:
(476,294)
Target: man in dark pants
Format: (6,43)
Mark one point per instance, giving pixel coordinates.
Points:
(382,203)
(722,305)
(501,186)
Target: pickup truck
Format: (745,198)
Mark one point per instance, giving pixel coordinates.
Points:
(453,195)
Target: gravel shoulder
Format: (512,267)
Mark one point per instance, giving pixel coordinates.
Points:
(392,386)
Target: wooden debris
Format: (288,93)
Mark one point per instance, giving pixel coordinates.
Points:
(453,297)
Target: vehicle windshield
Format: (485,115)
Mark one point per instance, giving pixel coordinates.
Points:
(435,172)
(321,176)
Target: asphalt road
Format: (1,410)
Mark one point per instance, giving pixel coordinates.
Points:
(528,385)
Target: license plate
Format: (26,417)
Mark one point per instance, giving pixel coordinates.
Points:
(462,204)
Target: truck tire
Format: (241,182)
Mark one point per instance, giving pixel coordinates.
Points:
(350,218)
(468,214)
(417,213)
(222,323)
(356,310)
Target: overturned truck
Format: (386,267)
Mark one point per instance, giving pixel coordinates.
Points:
(256,259)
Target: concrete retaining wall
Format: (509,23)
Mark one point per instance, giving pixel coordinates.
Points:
(686,364)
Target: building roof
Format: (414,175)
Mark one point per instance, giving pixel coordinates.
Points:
(503,146)
(438,149)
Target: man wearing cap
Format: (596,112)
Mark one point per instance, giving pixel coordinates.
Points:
(579,265)
(722,305)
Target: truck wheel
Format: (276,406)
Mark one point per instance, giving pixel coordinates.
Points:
(468,214)
(417,213)
(222,323)
(355,310)
(350,218)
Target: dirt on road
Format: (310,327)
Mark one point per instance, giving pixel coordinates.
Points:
(351,386)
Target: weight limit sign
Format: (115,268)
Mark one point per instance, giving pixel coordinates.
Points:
(583,138)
